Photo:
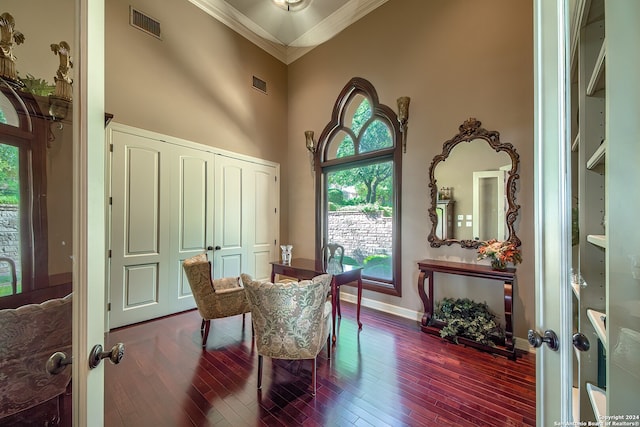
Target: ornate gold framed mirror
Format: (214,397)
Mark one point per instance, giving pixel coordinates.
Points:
(472,185)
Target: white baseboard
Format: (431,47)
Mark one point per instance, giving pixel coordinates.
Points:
(521,343)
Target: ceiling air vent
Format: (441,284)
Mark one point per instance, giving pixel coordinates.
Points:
(260,84)
(143,22)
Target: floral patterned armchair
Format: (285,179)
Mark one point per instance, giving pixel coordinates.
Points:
(291,320)
(29,335)
(214,298)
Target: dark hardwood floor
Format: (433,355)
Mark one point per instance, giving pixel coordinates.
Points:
(389,374)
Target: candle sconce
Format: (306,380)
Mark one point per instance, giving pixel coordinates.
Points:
(312,146)
(403,119)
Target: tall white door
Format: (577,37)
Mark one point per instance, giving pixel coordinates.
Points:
(552,212)
(141,183)
(617,287)
(263,221)
(246,229)
(489,205)
(89,213)
(191,222)
(161,214)
(171,201)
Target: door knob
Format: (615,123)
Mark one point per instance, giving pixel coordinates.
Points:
(211,248)
(581,342)
(115,355)
(57,362)
(550,337)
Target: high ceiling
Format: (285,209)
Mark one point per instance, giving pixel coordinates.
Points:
(287,35)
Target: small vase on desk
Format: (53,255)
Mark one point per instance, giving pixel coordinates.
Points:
(498,265)
(286,254)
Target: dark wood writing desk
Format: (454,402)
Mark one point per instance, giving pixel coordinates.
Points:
(429,266)
(305,269)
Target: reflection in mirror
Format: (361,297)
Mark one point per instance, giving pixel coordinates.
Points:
(36,154)
(473,186)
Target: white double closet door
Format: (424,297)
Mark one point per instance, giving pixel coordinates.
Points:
(170,200)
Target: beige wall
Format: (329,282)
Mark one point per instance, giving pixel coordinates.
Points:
(195,83)
(456,59)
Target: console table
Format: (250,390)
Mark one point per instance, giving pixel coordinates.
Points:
(428,266)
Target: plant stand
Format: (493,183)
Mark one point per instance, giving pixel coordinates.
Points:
(428,266)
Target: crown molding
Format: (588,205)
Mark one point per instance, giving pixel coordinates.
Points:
(352,11)
(232,18)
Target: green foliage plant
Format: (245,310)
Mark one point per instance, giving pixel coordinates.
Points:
(9,200)
(378,265)
(37,86)
(334,195)
(468,319)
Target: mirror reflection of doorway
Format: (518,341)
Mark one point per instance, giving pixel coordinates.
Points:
(489,205)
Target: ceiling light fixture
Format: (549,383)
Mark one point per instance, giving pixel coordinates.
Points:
(292,5)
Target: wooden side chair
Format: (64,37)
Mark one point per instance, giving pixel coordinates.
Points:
(332,258)
(11,265)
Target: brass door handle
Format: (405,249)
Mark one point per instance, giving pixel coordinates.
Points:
(57,362)
(115,355)
(581,342)
(550,337)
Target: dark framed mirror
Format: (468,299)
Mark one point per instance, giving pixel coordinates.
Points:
(472,186)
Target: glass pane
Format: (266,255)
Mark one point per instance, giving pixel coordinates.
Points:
(340,146)
(8,114)
(357,113)
(376,137)
(360,216)
(10,265)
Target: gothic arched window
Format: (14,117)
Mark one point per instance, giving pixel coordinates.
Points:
(358,174)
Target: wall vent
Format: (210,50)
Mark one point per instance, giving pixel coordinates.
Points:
(260,84)
(144,22)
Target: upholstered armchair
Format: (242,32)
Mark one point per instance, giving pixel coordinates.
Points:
(214,298)
(291,320)
(29,336)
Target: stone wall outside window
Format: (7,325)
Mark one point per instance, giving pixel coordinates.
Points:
(361,234)
(9,235)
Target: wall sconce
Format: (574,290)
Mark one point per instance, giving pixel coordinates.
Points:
(311,146)
(403,118)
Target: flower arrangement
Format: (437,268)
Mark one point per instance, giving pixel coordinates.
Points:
(500,253)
